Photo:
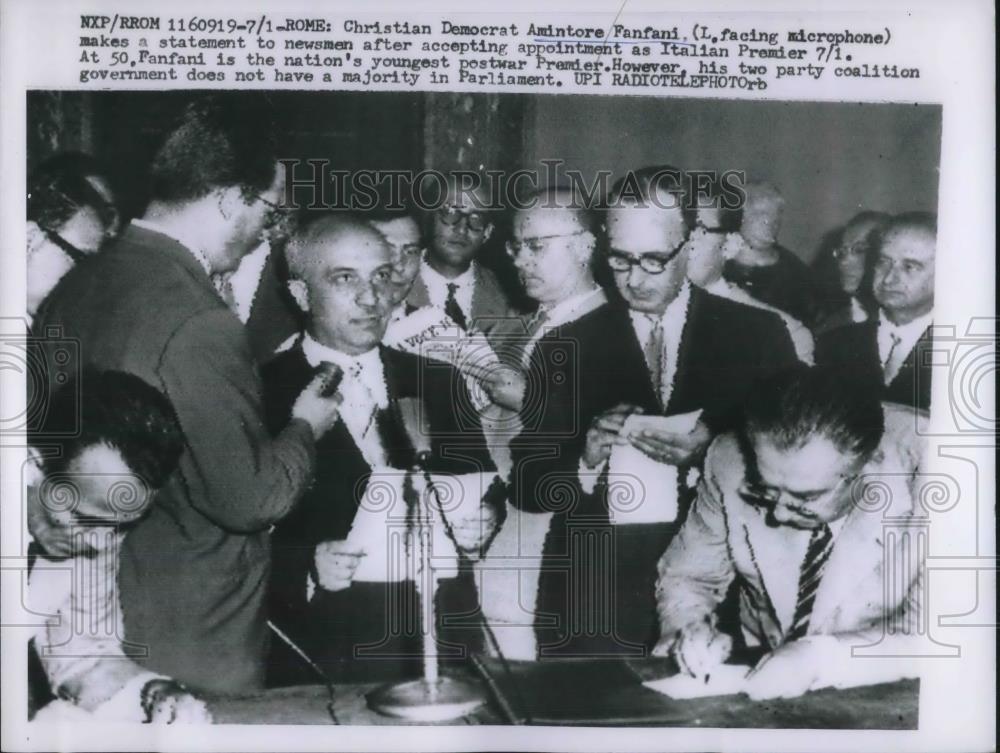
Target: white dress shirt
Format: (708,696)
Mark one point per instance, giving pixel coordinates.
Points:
(364,391)
(904,335)
(564,312)
(437,287)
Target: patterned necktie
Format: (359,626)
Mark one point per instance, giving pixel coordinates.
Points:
(889,368)
(820,546)
(654,353)
(452,309)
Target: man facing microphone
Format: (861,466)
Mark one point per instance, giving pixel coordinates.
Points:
(340,586)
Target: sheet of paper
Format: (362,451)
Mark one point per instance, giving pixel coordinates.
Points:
(429,332)
(380,526)
(727,679)
(640,489)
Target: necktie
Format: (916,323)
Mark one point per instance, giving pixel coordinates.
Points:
(654,353)
(889,368)
(820,546)
(452,309)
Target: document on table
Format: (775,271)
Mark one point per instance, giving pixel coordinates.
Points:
(726,679)
(640,489)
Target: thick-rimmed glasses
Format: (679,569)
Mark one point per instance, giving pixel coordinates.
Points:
(651,262)
(848,252)
(68,248)
(757,493)
(474,221)
(537,243)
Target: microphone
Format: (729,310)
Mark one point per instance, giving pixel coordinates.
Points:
(334,376)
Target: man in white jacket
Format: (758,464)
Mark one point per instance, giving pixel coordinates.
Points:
(785,508)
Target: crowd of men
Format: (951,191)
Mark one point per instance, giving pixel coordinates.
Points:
(242,371)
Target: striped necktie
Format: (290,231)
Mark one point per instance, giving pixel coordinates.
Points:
(820,546)
(654,354)
(890,368)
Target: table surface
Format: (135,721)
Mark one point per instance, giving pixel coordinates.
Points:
(548,693)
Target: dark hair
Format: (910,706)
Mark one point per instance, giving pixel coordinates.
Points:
(803,402)
(121,411)
(646,186)
(221,141)
(921,221)
(59,188)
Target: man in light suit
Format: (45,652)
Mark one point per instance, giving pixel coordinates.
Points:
(451,277)
(891,352)
(193,572)
(785,509)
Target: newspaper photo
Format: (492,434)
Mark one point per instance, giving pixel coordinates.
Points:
(601,376)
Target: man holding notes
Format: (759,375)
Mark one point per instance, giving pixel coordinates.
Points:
(702,353)
(343,586)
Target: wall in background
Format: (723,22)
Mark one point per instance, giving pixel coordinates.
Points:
(830,160)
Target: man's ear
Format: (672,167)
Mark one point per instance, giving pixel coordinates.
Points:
(488,232)
(35,236)
(300,293)
(229,200)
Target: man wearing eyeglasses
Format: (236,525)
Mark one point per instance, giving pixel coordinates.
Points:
(699,352)
(452,276)
(577,366)
(785,510)
(890,352)
(70,214)
(193,573)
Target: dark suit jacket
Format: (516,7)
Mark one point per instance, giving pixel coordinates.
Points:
(327,510)
(273,316)
(854,351)
(788,284)
(193,572)
(576,372)
(489,302)
(725,346)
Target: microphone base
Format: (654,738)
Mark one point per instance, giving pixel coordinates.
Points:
(420,701)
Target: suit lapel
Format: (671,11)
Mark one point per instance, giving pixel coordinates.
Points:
(683,387)
(777,554)
(855,569)
(907,382)
(418,297)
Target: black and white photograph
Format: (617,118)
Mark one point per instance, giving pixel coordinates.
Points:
(436,409)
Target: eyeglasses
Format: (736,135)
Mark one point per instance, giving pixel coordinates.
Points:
(845,252)
(758,494)
(452,216)
(278,217)
(537,243)
(70,250)
(653,262)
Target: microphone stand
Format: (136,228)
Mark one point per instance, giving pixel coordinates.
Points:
(433,697)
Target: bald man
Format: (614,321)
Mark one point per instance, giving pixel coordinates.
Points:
(886,351)
(361,623)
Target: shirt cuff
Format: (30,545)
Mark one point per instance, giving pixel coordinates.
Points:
(588,476)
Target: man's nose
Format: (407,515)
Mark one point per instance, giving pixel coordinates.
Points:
(636,277)
(781,513)
(366,295)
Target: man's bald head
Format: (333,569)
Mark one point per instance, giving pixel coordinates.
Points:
(341,276)
(315,241)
